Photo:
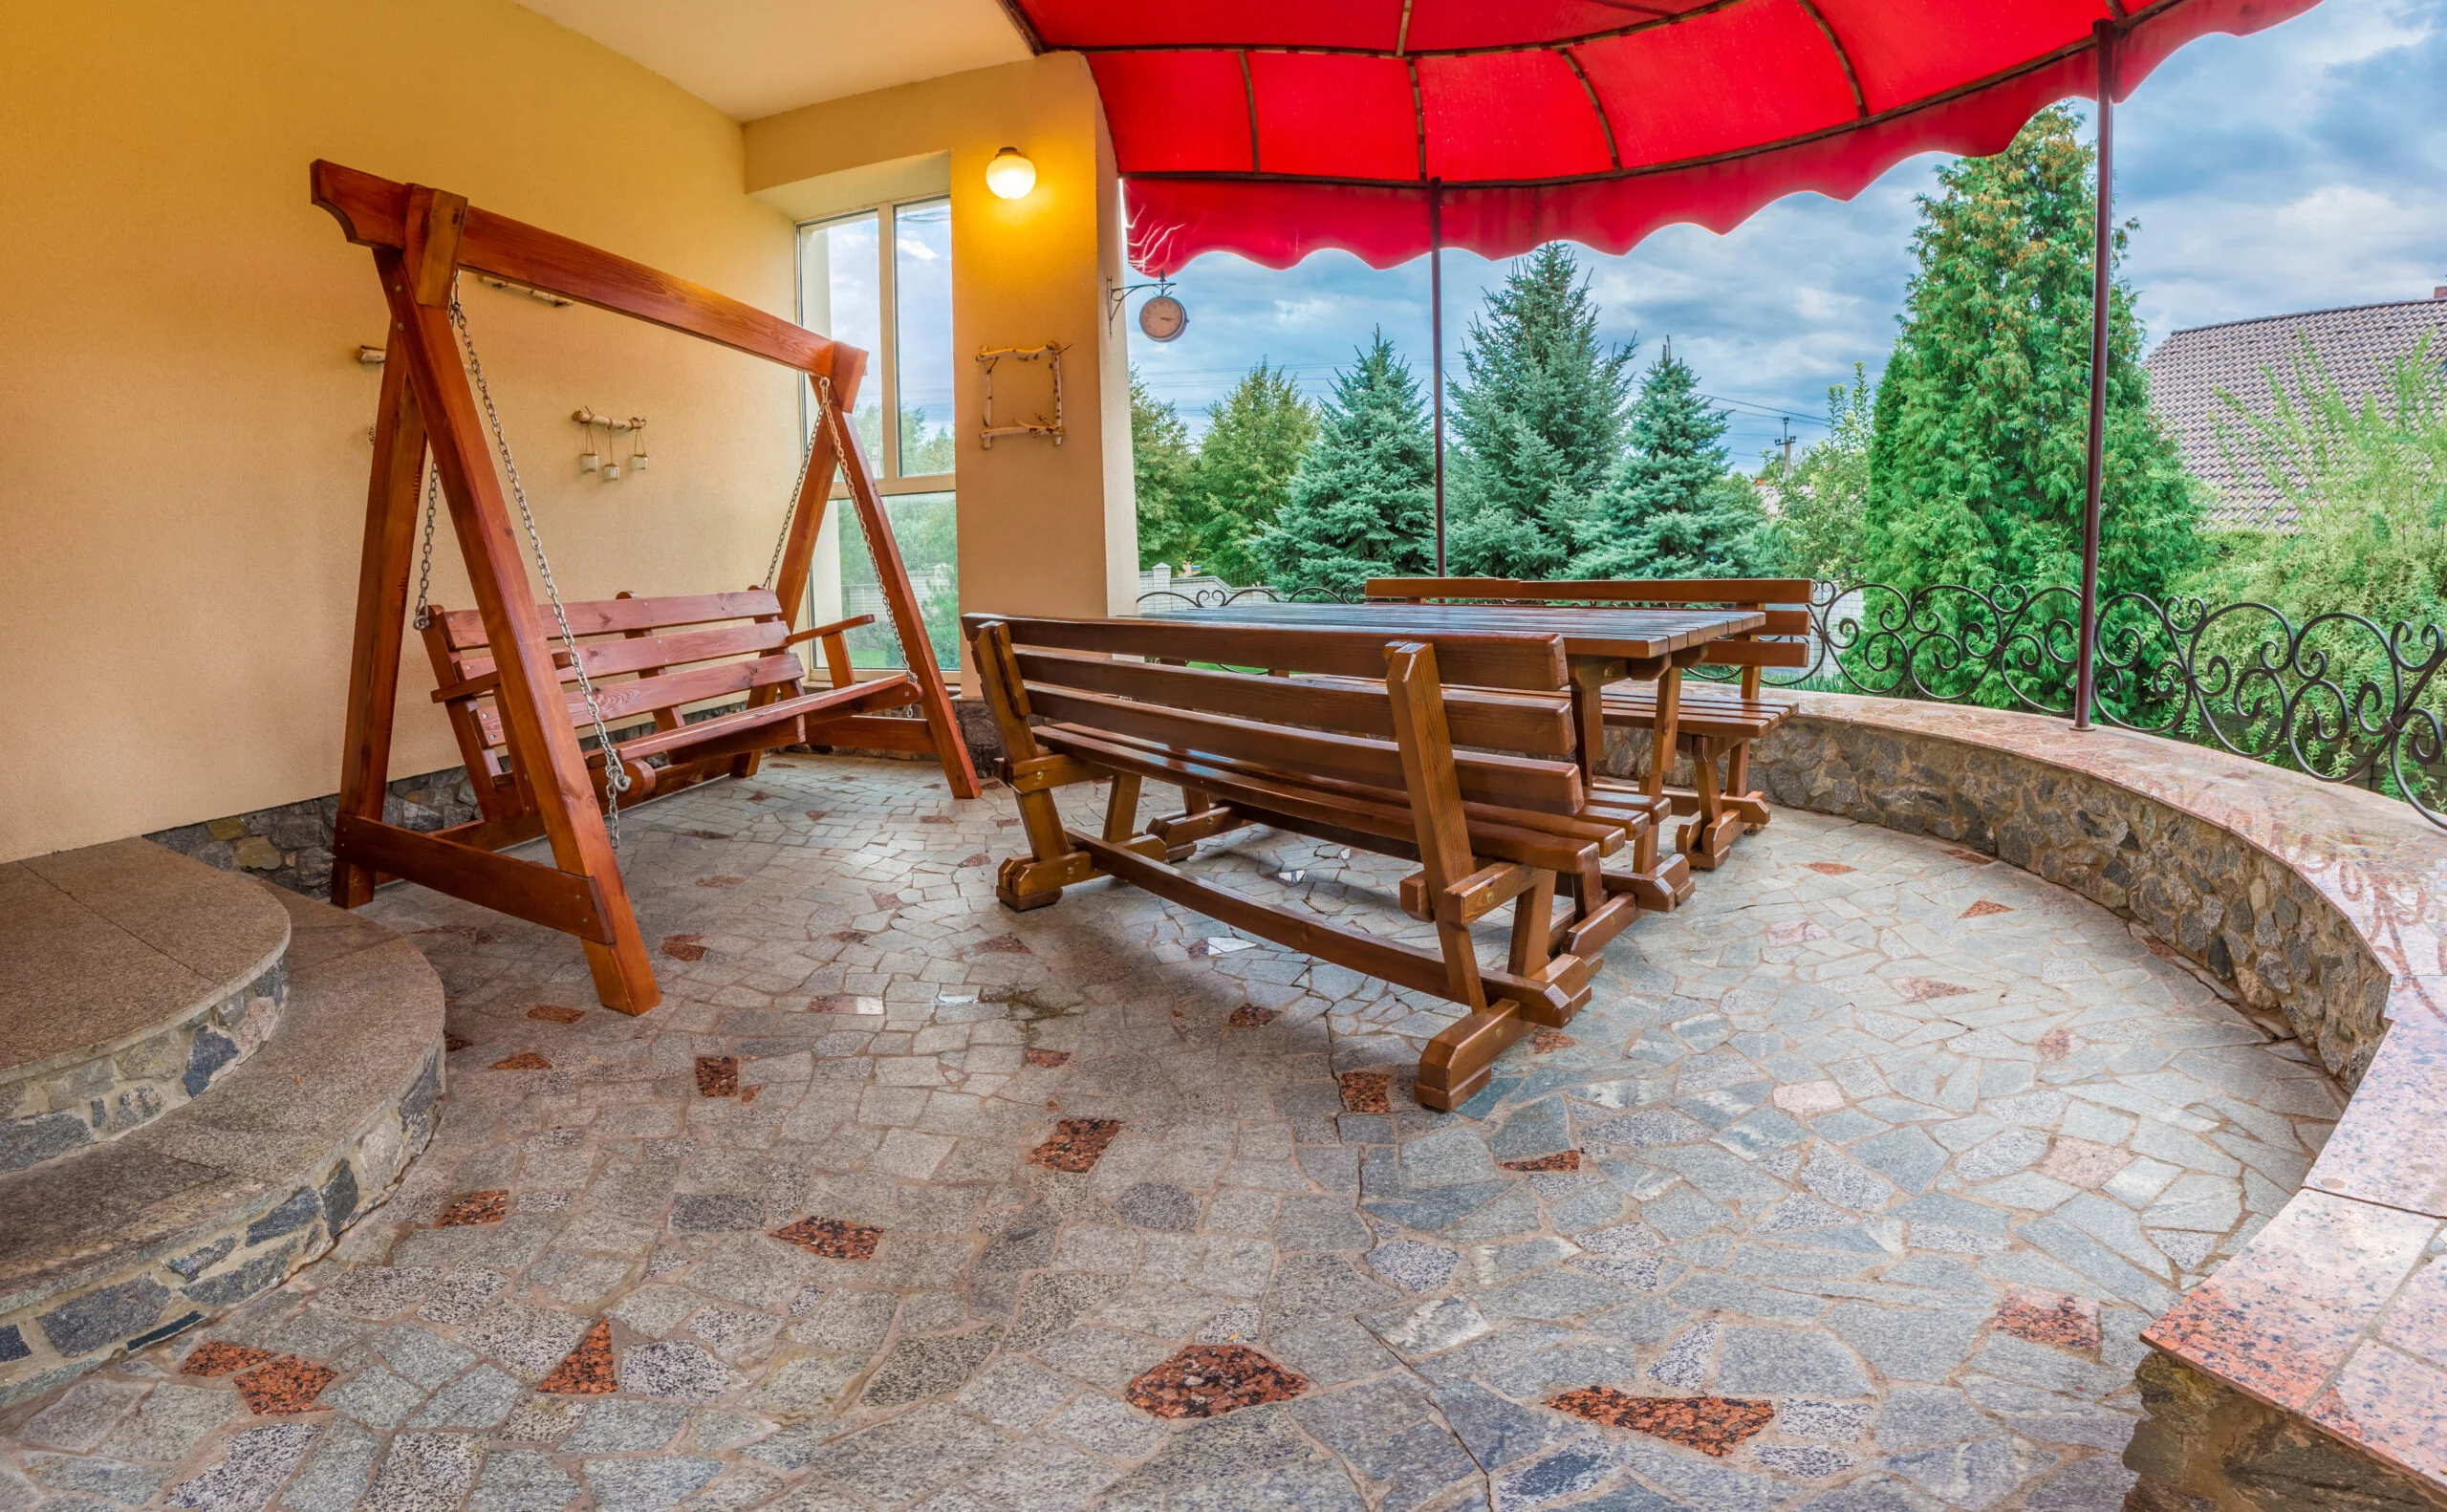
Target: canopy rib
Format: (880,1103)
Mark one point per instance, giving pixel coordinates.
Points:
(1614,152)
(1843,56)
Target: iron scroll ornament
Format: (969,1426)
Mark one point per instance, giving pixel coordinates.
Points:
(2338,697)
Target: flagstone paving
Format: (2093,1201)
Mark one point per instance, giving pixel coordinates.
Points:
(1852,1189)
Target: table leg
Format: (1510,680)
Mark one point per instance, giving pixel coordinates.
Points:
(1656,884)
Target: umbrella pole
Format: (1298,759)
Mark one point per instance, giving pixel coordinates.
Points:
(1436,340)
(2085,678)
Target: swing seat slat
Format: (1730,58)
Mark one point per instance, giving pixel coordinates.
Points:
(640,672)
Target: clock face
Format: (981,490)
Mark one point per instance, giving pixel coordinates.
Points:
(1162,318)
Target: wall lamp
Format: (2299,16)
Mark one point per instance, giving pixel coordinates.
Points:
(1010,176)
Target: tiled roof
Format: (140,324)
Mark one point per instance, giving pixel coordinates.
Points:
(2357,345)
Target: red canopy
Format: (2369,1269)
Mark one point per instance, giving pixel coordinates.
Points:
(1273,128)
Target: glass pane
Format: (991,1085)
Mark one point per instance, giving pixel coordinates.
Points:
(923,523)
(921,276)
(840,295)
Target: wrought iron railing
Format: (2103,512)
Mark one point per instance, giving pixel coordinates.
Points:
(2336,696)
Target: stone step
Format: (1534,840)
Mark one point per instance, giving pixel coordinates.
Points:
(136,977)
(119,1245)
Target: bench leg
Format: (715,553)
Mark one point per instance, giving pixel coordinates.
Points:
(1200,819)
(1121,809)
(1752,805)
(1533,926)
(1708,838)
(1461,1060)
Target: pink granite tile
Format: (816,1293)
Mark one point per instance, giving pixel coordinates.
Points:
(2391,1146)
(1713,1425)
(2082,1163)
(2417,1321)
(2393,1406)
(2244,1331)
(2048,1317)
(2284,1314)
(2057,1043)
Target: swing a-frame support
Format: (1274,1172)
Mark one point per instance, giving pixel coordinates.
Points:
(421,238)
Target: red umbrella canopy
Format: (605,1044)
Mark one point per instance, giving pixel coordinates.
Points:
(1273,128)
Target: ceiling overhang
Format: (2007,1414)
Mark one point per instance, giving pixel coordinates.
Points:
(753,58)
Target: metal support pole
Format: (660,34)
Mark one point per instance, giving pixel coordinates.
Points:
(1436,340)
(2102,281)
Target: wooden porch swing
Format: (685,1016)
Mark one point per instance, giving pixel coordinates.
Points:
(502,680)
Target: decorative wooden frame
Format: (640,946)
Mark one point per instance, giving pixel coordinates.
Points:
(421,238)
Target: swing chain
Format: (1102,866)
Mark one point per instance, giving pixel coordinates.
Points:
(807,458)
(424,566)
(616,775)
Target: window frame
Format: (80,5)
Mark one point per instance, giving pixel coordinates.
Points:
(885,372)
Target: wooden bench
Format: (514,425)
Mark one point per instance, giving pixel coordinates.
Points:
(1478,784)
(652,659)
(1713,721)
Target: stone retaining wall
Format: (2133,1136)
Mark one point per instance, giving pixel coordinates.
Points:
(290,845)
(254,1248)
(51,1108)
(2310,1372)
(2258,924)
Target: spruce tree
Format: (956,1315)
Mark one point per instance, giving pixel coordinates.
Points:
(1977,460)
(1539,419)
(1164,461)
(1253,445)
(1672,509)
(1363,503)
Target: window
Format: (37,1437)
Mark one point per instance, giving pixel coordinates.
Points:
(898,308)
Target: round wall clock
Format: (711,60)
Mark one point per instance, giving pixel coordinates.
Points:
(1162,318)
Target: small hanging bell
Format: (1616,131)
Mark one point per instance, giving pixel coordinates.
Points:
(588,461)
(638,443)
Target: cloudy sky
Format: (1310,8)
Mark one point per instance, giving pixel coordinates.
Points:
(2301,168)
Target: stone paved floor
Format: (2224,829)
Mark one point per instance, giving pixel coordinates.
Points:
(1851,1190)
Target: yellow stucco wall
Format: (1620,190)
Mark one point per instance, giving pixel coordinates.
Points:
(1043,529)
(183,420)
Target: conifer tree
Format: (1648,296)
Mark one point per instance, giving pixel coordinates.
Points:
(1977,461)
(1253,445)
(1164,461)
(1363,503)
(1672,509)
(1538,416)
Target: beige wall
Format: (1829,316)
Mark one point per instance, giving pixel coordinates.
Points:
(1043,529)
(183,420)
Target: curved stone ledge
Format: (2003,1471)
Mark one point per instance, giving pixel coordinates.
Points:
(219,1200)
(2311,1368)
(136,979)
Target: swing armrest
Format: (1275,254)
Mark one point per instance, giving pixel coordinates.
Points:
(473,687)
(837,627)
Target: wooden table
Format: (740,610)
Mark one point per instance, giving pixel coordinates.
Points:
(1601,645)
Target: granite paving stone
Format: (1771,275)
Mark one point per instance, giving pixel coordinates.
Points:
(522,1480)
(1901,1161)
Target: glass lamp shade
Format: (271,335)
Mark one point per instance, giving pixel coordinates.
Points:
(1010,176)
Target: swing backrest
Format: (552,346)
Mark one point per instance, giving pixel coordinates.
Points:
(648,658)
